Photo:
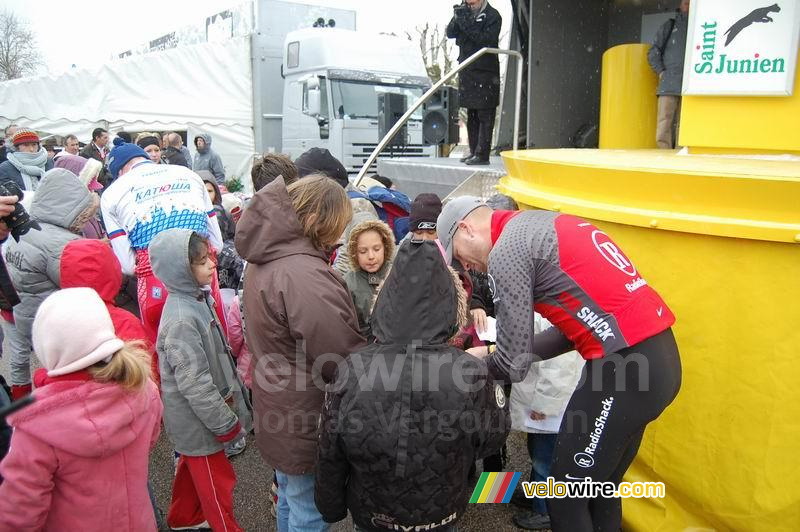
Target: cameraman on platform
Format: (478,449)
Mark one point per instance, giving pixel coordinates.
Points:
(475,25)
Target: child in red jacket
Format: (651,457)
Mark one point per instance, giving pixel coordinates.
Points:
(92,264)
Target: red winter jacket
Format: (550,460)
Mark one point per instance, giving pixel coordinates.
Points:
(92,264)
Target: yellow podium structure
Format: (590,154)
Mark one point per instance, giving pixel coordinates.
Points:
(627,99)
(718,236)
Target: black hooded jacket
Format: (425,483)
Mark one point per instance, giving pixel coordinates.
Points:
(407,416)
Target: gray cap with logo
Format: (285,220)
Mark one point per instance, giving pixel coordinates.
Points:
(453,212)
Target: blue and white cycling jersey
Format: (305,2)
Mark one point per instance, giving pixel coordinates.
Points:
(151,198)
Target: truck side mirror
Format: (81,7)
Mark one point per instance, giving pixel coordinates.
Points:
(314,102)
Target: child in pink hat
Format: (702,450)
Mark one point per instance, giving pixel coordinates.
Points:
(87,171)
(79,454)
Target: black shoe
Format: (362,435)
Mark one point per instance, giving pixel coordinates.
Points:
(532,521)
(476,161)
(464,158)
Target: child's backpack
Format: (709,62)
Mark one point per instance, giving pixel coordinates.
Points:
(393,207)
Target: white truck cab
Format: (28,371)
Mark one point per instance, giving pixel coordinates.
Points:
(333,79)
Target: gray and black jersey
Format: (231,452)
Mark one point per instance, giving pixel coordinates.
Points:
(574,275)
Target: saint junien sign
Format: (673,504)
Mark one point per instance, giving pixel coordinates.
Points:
(741,47)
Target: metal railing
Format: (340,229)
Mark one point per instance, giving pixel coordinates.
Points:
(422,99)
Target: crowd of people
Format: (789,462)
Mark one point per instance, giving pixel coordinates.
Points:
(28,157)
(186,357)
(356,344)
(377,347)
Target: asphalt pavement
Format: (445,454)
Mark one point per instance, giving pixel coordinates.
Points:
(252,496)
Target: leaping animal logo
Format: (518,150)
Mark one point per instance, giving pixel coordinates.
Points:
(757,15)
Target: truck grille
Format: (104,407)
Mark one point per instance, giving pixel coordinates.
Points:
(360,153)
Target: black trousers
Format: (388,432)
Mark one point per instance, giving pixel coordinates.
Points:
(604,423)
(480,124)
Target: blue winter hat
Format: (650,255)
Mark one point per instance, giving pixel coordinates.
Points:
(121,154)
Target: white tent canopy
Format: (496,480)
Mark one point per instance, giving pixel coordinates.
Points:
(204,88)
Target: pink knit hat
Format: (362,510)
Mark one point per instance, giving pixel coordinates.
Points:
(72,331)
(87,170)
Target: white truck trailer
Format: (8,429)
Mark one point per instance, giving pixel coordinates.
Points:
(333,81)
(273,83)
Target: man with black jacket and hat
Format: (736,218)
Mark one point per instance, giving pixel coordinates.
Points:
(475,25)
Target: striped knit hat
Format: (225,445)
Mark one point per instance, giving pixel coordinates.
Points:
(24,136)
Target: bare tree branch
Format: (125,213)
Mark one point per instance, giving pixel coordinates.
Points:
(436,50)
(19,54)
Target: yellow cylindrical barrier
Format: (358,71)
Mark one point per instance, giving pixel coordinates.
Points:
(723,249)
(628,104)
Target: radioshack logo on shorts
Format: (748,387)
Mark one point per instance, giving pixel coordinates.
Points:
(612,253)
(586,458)
(499,396)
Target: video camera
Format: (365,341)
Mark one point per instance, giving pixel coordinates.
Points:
(461,9)
(18,222)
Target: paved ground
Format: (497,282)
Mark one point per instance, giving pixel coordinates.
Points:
(254,477)
(252,501)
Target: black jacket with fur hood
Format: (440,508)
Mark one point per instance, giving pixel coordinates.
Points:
(407,416)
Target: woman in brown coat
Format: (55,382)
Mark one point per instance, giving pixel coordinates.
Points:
(300,321)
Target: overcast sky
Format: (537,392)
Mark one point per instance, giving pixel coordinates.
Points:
(90,31)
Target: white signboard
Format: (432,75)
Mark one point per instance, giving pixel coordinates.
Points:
(741,47)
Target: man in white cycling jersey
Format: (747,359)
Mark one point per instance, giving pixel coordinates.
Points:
(143,200)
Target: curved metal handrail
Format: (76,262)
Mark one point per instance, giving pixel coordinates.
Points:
(422,99)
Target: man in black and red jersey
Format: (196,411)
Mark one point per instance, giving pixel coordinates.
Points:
(574,275)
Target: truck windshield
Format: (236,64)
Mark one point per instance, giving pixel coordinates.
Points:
(355,99)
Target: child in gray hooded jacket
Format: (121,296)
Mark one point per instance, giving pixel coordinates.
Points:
(204,404)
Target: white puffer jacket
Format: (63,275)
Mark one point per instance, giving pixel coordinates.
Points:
(62,206)
(548,386)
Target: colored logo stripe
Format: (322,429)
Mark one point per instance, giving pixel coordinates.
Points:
(487,487)
(512,485)
(478,488)
(495,488)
